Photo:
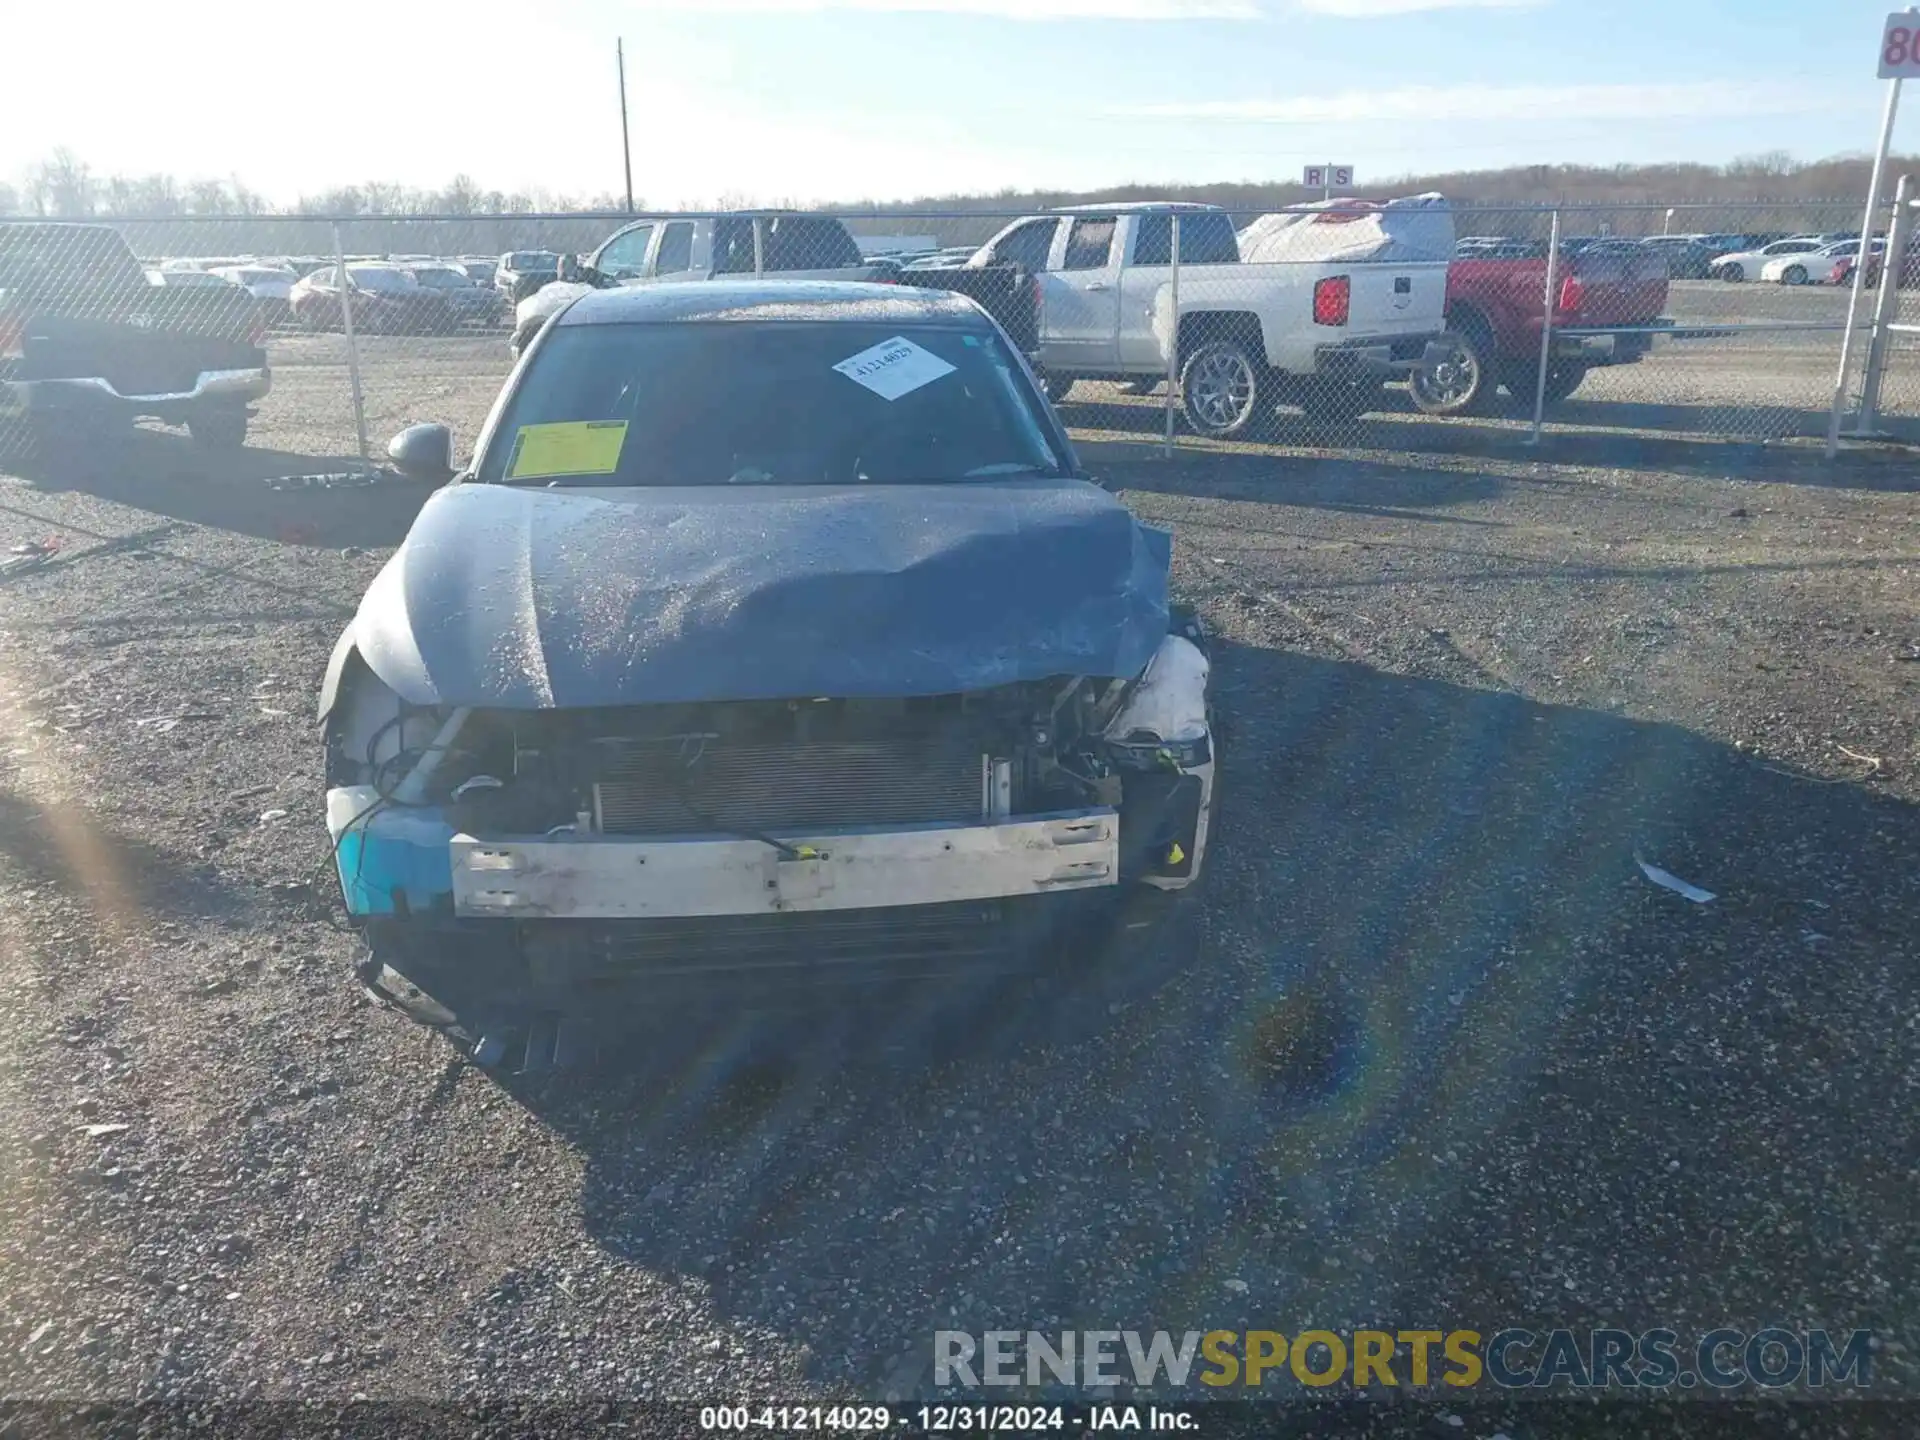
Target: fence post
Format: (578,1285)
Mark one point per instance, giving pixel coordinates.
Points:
(1546,327)
(1173,335)
(1874,180)
(1892,271)
(353,347)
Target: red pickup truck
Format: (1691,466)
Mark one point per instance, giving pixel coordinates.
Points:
(1496,304)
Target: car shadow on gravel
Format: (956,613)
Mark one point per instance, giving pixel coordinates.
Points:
(1446,1055)
(274,495)
(1353,486)
(1611,442)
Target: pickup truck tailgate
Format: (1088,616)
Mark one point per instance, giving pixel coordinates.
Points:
(1389,299)
(140,353)
(1613,287)
(75,305)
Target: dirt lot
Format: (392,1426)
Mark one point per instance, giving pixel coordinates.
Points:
(1447,1056)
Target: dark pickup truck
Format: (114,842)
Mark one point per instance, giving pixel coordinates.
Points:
(1610,295)
(88,344)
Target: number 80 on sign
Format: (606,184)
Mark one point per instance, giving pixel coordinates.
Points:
(1900,47)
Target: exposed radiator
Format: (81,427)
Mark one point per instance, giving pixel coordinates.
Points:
(650,790)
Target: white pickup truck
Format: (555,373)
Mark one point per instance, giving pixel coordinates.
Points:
(1324,335)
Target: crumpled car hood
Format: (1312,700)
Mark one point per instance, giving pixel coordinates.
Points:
(508,597)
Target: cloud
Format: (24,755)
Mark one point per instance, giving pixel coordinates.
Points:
(1702,99)
(996,9)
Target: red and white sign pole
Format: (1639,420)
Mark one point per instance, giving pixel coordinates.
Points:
(1899,59)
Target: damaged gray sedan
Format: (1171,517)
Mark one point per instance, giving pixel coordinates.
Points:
(771,646)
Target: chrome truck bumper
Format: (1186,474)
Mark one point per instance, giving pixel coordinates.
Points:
(238,386)
(1375,359)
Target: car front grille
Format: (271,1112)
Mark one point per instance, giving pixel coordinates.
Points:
(732,957)
(652,790)
(918,940)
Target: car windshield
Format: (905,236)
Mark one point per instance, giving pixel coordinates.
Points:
(443,279)
(370,277)
(779,403)
(533,260)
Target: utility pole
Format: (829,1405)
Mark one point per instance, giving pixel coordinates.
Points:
(626,143)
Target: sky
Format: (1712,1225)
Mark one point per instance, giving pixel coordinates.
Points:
(803,100)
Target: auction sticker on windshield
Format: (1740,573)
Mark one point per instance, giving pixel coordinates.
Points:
(894,368)
(572,447)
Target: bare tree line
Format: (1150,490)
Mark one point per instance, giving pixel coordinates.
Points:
(64,187)
(1771,178)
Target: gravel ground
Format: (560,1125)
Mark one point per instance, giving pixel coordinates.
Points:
(1445,1058)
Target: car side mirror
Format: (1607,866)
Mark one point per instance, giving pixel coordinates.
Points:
(423,452)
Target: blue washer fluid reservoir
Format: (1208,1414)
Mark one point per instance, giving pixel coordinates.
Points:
(383,851)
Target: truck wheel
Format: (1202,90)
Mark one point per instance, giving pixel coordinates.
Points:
(1222,389)
(1140,385)
(1463,383)
(1341,402)
(221,429)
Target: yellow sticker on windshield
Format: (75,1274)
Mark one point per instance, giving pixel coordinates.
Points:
(574,447)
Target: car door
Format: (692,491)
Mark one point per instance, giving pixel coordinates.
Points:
(1028,245)
(1081,299)
(673,257)
(623,259)
(1206,238)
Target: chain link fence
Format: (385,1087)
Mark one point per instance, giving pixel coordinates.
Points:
(310,340)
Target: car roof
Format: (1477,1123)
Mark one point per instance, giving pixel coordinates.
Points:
(1133,207)
(764,300)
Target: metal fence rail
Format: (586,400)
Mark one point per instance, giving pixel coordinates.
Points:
(1547,320)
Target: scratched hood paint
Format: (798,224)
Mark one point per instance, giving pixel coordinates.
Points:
(519,598)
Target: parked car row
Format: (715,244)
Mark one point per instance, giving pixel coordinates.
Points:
(1826,258)
(389,298)
(1789,260)
(464,289)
